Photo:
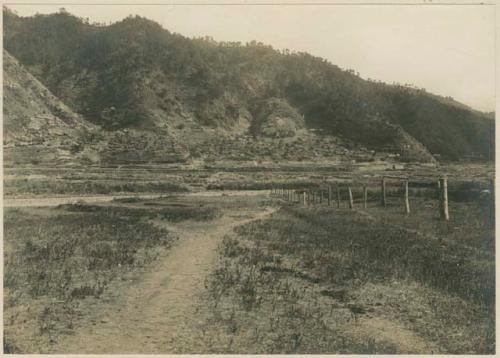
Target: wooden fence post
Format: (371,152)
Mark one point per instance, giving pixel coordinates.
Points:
(329,195)
(338,196)
(492,203)
(445,215)
(365,197)
(407,201)
(351,201)
(382,191)
(492,188)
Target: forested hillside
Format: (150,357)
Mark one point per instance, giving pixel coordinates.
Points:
(135,74)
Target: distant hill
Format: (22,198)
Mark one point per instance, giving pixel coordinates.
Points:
(134,74)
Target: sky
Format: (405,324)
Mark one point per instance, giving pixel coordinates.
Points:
(446,49)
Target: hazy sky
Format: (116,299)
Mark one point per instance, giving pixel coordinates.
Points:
(448,50)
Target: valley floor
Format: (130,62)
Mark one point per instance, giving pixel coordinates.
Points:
(246,274)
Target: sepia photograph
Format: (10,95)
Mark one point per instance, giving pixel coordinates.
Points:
(249,177)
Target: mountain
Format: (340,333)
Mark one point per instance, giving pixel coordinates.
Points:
(199,93)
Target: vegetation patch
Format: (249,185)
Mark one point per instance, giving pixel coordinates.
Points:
(57,259)
(170,212)
(322,280)
(88,187)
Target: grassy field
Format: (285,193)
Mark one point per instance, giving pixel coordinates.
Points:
(306,280)
(46,181)
(48,187)
(61,261)
(324,280)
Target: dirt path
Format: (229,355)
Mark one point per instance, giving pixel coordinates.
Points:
(157,314)
(380,329)
(54,201)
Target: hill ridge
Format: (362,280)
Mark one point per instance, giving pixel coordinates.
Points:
(135,74)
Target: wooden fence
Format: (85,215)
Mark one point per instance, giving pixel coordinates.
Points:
(324,194)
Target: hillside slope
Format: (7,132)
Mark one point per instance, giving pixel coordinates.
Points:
(39,127)
(32,114)
(36,124)
(134,74)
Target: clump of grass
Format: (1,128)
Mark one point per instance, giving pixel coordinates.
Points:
(231,247)
(130,200)
(168,212)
